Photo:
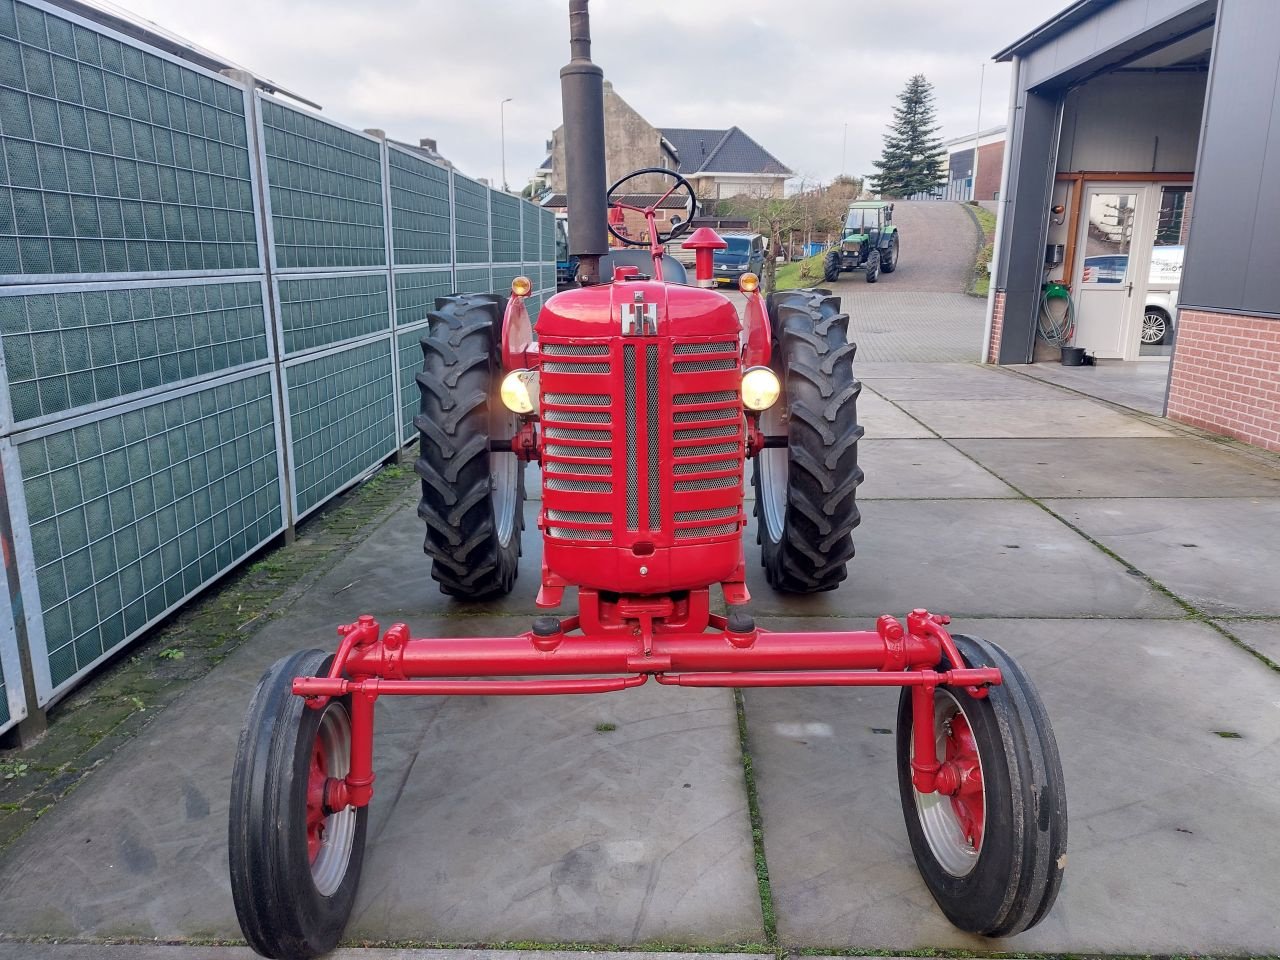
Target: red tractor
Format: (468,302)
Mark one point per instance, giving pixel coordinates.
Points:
(641,398)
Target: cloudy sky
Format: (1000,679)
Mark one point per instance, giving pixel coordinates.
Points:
(791,74)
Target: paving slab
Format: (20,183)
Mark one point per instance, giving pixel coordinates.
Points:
(1139,384)
(976,557)
(883,421)
(1130,467)
(138,951)
(1167,818)
(1261,635)
(1061,417)
(902,369)
(497,819)
(923,469)
(987,385)
(1219,554)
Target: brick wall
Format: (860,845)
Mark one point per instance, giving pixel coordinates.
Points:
(997,324)
(990,166)
(1226,376)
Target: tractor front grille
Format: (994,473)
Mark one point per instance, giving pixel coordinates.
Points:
(577,425)
(639,440)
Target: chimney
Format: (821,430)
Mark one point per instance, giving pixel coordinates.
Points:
(428,144)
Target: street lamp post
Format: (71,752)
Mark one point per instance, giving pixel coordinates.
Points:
(502,132)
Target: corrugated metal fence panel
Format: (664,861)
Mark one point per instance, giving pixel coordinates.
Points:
(471,220)
(13,706)
(547,232)
(325,191)
(127,512)
(118,160)
(502,277)
(342,418)
(69,347)
(419,210)
(317,311)
(409,358)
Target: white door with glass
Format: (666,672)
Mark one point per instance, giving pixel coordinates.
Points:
(1106,273)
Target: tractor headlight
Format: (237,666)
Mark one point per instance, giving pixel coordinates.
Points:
(760,388)
(520,391)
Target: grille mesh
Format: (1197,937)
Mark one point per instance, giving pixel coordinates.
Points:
(629,392)
(711,513)
(717,396)
(720,530)
(581,469)
(577,486)
(574,349)
(575,416)
(560,450)
(577,399)
(685,349)
(702,433)
(573,533)
(579,516)
(707,483)
(700,416)
(707,449)
(655,472)
(711,467)
(568,433)
(705,366)
(553,366)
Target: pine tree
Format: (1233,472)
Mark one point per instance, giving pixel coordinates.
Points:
(912,159)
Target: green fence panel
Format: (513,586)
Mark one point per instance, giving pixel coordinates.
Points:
(530,246)
(419,210)
(12,699)
(547,232)
(502,277)
(325,192)
(416,293)
(116,160)
(504,211)
(409,358)
(135,509)
(70,346)
(470,220)
(473,281)
(342,419)
(318,311)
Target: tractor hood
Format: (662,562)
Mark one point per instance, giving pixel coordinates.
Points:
(599,311)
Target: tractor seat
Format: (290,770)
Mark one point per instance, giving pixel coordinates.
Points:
(672,269)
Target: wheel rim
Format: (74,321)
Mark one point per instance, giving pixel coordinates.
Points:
(774,466)
(331,837)
(954,825)
(504,470)
(1153,328)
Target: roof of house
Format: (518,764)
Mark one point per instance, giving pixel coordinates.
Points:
(423,150)
(677,201)
(720,151)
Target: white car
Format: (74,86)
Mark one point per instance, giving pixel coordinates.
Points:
(1159,317)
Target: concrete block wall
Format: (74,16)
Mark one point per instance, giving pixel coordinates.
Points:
(1226,376)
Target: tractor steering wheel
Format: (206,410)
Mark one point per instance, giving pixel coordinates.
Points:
(678,230)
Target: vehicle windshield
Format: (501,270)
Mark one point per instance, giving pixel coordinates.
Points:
(738,244)
(862,221)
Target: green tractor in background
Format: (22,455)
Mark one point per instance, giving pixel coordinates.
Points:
(869,242)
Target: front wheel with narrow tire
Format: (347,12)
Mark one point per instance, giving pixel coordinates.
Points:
(806,506)
(295,863)
(472,496)
(831,266)
(873,266)
(992,852)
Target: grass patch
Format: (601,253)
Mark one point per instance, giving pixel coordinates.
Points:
(606,727)
(757,828)
(800,273)
(986,221)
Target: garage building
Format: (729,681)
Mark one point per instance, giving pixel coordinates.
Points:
(1143,172)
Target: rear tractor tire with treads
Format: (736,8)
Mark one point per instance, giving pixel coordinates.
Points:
(806,506)
(472,497)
